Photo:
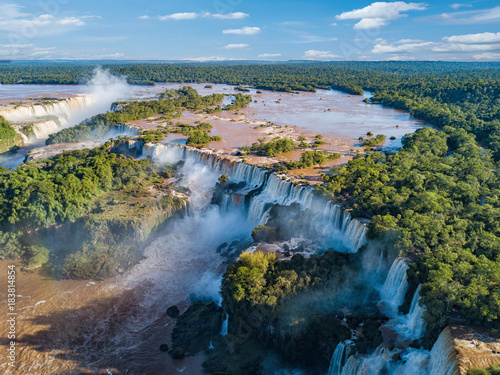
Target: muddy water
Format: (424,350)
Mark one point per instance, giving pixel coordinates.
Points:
(72,327)
(328,112)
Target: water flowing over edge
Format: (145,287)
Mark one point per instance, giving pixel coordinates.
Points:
(326,220)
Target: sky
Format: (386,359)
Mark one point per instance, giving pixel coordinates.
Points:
(219,30)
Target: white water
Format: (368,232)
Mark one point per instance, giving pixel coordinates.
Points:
(324,220)
(395,286)
(444,356)
(339,357)
(411,325)
(100,92)
(441,360)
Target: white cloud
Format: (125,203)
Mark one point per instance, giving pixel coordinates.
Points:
(230,16)
(404,41)
(236,46)
(25,26)
(434,47)
(491,15)
(379,14)
(31,51)
(212,58)
(179,16)
(409,47)
(456,6)
(192,15)
(313,54)
(247,30)
(267,55)
(474,38)
(401,58)
(459,47)
(487,56)
(144,17)
(333,24)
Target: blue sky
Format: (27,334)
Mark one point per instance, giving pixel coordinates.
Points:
(250,29)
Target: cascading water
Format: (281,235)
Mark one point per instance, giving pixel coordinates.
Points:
(339,357)
(324,219)
(49,118)
(411,325)
(225,326)
(395,286)
(443,355)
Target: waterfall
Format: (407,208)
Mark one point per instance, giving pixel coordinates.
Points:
(225,326)
(48,118)
(395,286)
(339,357)
(444,355)
(63,108)
(412,325)
(367,365)
(323,219)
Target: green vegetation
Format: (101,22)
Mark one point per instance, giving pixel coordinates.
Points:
(197,138)
(271,148)
(492,370)
(379,138)
(310,158)
(240,101)
(170,105)
(94,201)
(8,136)
(288,307)
(440,198)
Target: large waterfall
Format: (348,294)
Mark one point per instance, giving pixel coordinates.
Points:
(325,220)
(51,117)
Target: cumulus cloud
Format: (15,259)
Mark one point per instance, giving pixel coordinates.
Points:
(474,38)
(193,15)
(247,30)
(379,14)
(236,46)
(313,54)
(26,25)
(268,55)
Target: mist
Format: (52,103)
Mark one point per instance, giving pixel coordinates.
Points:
(103,88)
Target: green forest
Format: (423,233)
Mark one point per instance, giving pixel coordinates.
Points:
(94,201)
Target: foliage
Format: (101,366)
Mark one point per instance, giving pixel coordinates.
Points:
(441,194)
(274,147)
(77,193)
(170,105)
(379,138)
(310,158)
(240,101)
